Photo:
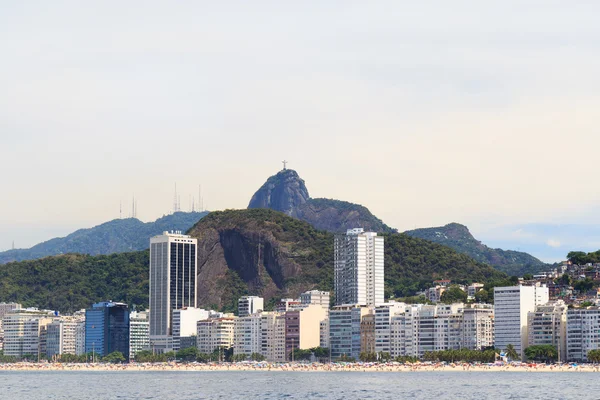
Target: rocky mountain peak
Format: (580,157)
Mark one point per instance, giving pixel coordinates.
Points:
(284,191)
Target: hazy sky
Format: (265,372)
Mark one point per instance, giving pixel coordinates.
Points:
(428,112)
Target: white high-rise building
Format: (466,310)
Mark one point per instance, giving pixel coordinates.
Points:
(185,323)
(383,320)
(139,333)
(359,268)
(215,333)
(315,297)
(344,331)
(80,337)
(511,307)
(583,332)
(547,325)
(25,332)
(173,272)
(273,336)
(5,308)
(248,305)
(61,336)
(478,327)
(248,335)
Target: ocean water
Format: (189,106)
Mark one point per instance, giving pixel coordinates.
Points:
(100,385)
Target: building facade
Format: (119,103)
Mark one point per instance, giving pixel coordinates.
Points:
(185,324)
(61,337)
(359,268)
(512,305)
(303,327)
(139,333)
(172,282)
(248,305)
(107,329)
(547,325)
(583,332)
(215,333)
(367,333)
(383,320)
(344,331)
(315,297)
(248,335)
(25,332)
(273,336)
(478,327)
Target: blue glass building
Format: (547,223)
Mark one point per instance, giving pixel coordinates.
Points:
(107,329)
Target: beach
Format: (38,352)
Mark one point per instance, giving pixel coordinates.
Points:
(302,367)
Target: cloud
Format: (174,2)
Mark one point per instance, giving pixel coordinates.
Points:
(553,243)
(521,233)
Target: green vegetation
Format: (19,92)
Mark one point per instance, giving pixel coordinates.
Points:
(114,358)
(454,294)
(71,282)
(320,353)
(116,236)
(486,295)
(511,352)
(585,285)
(545,353)
(6,359)
(458,237)
(187,354)
(296,257)
(593,356)
(464,355)
(581,257)
(412,264)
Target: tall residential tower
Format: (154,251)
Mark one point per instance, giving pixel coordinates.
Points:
(358,268)
(173,273)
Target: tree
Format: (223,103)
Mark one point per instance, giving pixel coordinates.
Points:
(527,277)
(577,257)
(482,296)
(187,354)
(584,285)
(384,356)
(301,354)
(454,294)
(594,356)
(345,358)
(367,357)
(544,352)
(114,357)
(511,352)
(239,357)
(257,357)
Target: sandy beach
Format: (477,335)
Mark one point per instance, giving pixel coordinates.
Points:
(302,367)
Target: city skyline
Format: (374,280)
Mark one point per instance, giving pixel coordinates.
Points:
(482,114)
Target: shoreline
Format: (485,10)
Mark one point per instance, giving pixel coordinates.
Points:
(300,367)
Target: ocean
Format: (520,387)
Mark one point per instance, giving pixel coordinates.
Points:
(101,385)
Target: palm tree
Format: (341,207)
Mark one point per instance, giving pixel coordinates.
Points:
(511,352)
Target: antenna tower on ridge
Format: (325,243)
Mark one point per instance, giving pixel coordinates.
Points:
(175,202)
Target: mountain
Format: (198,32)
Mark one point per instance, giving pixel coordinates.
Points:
(257,252)
(266,253)
(116,236)
(287,192)
(459,238)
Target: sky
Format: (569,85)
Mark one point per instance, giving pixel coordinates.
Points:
(429,112)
